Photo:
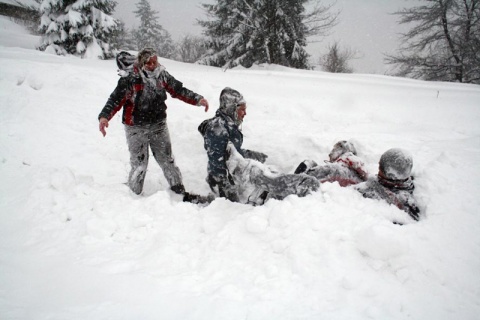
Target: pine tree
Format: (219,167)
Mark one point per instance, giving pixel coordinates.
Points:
(151,33)
(123,38)
(82,27)
(244,32)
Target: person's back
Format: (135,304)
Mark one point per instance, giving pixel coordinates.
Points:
(393,183)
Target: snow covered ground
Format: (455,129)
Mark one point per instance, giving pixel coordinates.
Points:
(75,243)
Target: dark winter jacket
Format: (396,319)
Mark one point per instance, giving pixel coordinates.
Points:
(142,96)
(348,169)
(398,193)
(218,132)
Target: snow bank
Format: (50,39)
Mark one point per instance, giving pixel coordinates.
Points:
(77,244)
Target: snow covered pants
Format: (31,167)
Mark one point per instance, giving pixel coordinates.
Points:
(256,183)
(157,137)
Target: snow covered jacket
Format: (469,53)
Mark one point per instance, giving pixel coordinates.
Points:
(396,192)
(142,96)
(217,133)
(347,169)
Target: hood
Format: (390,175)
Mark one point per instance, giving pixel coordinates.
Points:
(230,99)
(340,148)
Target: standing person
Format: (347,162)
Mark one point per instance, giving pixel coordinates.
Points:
(394,183)
(344,167)
(236,173)
(142,94)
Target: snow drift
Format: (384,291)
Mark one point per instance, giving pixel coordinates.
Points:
(77,244)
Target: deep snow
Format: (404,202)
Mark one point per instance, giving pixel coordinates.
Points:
(75,243)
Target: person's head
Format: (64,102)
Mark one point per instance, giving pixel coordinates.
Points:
(395,164)
(340,148)
(125,60)
(147,59)
(233,105)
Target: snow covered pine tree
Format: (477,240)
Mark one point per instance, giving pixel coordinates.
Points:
(81,28)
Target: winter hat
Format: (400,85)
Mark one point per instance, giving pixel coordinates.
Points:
(230,99)
(145,55)
(396,164)
(340,148)
(125,60)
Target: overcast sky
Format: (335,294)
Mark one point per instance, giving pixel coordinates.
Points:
(365,25)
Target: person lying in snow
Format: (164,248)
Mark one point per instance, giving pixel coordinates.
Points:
(238,174)
(394,182)
(344,167)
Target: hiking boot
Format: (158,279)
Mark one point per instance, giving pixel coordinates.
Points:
(305,166)
(197,199)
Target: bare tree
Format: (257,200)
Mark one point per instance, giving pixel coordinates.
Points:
(443,44)
(190,48)
(336,60)
(320,19)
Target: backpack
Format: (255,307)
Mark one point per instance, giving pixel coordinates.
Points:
(125,63)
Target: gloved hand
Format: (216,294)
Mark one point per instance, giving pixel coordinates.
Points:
(412,210)
(255,155)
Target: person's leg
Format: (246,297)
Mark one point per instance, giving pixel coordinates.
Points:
(137,141)
(267,184)
(162,152)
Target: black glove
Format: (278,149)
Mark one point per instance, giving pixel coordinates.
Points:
(413,211)
(255,155)
(305,166)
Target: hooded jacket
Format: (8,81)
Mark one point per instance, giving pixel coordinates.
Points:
(220,130)
(142,96)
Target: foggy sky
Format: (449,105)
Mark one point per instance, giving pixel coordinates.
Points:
(366,26)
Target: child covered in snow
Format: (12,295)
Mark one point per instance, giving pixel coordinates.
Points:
(236,173)
(344,167)
(394,182)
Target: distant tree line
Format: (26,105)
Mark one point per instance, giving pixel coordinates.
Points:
(442,44)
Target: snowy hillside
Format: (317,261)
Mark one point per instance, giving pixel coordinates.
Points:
(75,243)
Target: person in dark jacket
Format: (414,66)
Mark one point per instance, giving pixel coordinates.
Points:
(394,183)
(344,166)
(236,173)
(142,94)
